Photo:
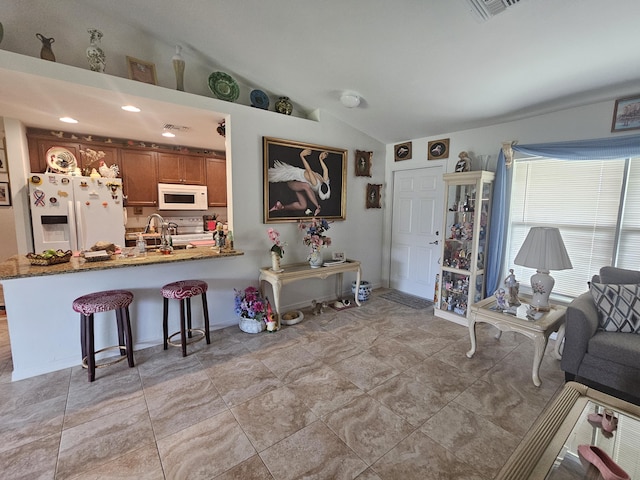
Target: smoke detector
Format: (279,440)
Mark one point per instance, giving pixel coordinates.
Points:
(483,10)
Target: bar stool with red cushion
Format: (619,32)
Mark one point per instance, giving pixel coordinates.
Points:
(87,306)
(183,290)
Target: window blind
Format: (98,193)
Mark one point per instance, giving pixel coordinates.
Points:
(582,199)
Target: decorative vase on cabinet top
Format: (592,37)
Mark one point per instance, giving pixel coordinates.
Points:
(95,55)
(284,106)
(178,68)
(275,262)
(45,52)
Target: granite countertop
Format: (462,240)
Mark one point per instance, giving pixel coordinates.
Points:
(18,266)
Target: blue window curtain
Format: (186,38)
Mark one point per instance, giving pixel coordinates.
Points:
(598,149)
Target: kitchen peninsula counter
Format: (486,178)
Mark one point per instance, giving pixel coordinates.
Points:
(19,266)
(44,331)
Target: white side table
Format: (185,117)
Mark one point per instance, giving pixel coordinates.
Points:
(538,330)
(294,272)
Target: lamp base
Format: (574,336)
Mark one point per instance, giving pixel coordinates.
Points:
(541,284)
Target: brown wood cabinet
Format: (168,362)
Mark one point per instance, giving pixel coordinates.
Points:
(181,168)
(139,171)
(216,181)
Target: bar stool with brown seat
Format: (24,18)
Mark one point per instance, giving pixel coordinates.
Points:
(183,290)
(87,306)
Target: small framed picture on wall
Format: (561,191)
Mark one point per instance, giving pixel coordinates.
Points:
(438,149)
(5,196)
(402,151)
(3,162)
(373,195)
(363,163)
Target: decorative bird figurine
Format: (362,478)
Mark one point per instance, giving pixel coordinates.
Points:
(108,172)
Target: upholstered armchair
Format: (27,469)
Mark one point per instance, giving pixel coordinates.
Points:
(602,339)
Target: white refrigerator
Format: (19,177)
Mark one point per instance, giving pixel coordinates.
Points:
(73,213)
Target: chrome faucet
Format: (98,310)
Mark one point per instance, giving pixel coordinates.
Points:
(163,228)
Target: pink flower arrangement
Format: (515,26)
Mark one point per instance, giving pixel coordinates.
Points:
(278,246)
(314,233)
(249,304)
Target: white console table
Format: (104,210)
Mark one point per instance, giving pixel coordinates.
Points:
(302,271)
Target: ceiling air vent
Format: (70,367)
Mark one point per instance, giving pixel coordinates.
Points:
(483,10)
(175,128)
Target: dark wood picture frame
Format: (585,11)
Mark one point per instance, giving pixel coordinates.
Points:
(5,194)
(402,151)
(363,163)
(373,195)
(142,71)
(287,193)
(438,149)
(626,114)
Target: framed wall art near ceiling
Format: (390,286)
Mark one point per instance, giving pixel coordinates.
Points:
(438,149)
(363,163)
(302,180)
(3,161)
(142,71)
(626,114)
(402,151)
(373,195)
(5,195)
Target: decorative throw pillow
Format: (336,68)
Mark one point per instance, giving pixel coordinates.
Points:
(618,306)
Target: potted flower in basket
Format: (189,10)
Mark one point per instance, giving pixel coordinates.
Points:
(277,249)
(254,311)
(315,238)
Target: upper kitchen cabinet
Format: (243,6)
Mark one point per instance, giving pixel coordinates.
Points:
(139,171)
(216,181)
(180,168)
(38,148)
(87,163)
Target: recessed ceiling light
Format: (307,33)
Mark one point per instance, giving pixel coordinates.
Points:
(168,134)
(68,120)
(130,108)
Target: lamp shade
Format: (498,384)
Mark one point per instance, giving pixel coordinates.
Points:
(544,250)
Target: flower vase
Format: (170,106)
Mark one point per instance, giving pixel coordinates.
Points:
(275,262)
(250,325)
(95,55)
(315,258)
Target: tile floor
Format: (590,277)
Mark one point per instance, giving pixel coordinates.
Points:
(377,392)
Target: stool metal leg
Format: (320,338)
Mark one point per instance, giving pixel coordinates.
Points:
(91,351)
(121,331)
(183,333)
(127,329)
(165,323)
(205,310)
(189,334)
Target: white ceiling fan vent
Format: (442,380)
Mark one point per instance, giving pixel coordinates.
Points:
(483,10)
(175,128)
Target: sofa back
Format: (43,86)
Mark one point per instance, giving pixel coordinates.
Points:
(618,275)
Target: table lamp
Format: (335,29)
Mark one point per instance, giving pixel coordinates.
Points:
(544,250)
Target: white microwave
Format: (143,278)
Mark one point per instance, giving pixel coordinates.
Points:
(182,197)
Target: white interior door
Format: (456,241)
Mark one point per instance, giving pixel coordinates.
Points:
(416,230)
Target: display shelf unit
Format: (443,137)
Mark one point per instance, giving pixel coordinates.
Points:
(467,205)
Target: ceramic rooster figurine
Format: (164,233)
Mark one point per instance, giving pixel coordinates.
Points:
(108,172)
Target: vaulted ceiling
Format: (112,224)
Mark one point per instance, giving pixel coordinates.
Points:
(421,67)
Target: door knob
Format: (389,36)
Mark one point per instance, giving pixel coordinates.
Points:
(433,243)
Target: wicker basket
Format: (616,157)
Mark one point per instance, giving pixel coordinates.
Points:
(60,257)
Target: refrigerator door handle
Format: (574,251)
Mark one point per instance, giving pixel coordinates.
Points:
(73,233)
(79,225)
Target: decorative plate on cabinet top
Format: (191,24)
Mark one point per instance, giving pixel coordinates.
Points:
(259,99)
(223,86)
(61,160)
